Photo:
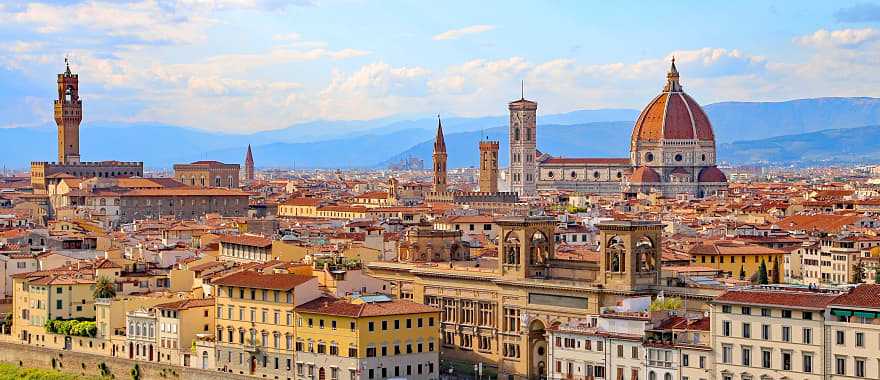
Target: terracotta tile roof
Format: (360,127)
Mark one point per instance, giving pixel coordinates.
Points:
(342,307)
(184,192)
(785,298)
(864,295)
(248,240)
(726,247)
(681,323)
(588,161)
(821,222)
(257,280)
(314,202)
(186,304)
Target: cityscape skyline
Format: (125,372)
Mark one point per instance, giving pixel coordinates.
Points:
(249,66)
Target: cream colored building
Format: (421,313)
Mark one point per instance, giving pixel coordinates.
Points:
(254,320)
(770,333)
(500,316)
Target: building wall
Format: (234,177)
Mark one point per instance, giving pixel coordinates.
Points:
(182,207)
(733,366)
(208,175)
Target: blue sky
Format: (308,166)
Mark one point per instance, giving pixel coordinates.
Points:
(248,65)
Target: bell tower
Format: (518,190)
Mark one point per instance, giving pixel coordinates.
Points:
(68,115)
(439,159)
(526,246)
(523,173)
(630,255)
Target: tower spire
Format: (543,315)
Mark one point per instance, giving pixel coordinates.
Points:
(522,89)
(672,83)
(439,158)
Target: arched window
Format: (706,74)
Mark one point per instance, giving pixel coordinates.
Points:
(652,375)
(511,249)
(615,253)
(667,376)
(539,249)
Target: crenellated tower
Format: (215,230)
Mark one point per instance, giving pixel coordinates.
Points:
(68,115)
(439,159)
(489,166)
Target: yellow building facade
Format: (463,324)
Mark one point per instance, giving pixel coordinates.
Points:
(371,337)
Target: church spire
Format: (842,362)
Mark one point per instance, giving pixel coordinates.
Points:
(249,165)
(672,84)
(439,157)
(439,141)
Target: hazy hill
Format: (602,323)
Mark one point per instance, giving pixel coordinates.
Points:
(375,142)
(735,121)
(601,139)
(849,145)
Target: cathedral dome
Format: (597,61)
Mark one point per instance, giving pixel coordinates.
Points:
(644,174)
(672,115)
(712,174)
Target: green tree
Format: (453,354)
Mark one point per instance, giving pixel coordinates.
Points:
(876,276)
(665,303)
(742,272)
(104,288)
(763,279)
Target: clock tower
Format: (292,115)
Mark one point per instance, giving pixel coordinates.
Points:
(68,115)
(523,172)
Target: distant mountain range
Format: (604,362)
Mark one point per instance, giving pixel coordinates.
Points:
(831,146)
(375,143)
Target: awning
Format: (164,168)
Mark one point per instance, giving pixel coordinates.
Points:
(865,314)
(841,313)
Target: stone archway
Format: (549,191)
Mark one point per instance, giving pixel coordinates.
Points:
(538,350)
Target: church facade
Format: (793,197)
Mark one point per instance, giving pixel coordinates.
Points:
(672,151)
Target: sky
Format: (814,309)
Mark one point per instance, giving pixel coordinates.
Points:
(240,66)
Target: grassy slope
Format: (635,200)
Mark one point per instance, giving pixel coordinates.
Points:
(12,372)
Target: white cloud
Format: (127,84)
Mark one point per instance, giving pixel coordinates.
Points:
(458,33)
(843,38)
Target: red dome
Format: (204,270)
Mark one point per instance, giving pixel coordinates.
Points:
(711,174)
(644,174)
(672,115)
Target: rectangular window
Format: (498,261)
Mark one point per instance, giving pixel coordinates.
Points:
(747,330)
(786,333)
(726,308)
(808,315)
(746,356)
(725,328)
(765,312)
(840,337)
(765,332)
(746,310)
(726,354)
(786,361)
(786,314)
(860,340)
(685,360)
(808,363)
(840,365)
(765,358)
(808,335)
(860,367)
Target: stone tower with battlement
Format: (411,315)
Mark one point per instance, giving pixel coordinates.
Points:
(68,115)
(489,166)
(523,173)
(439,160)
